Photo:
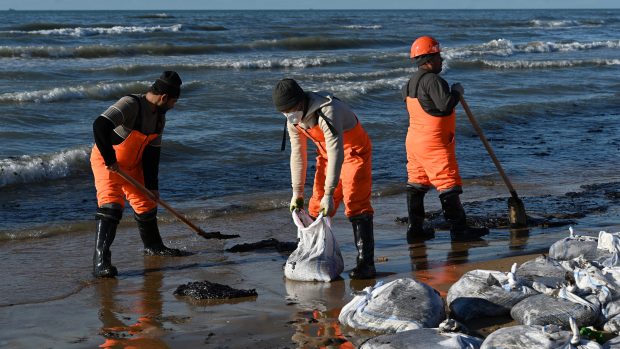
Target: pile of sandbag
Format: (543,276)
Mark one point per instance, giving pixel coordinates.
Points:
(552,297)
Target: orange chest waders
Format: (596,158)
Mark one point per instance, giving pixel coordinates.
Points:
(112,188)
(431,148)
(355,185)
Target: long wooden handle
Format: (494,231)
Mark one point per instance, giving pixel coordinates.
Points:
(484,140)
(152,196)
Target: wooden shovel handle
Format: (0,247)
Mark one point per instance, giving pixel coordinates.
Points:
(484,140)
(153,197)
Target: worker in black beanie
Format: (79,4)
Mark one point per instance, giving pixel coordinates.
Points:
(128,137)
(343,163)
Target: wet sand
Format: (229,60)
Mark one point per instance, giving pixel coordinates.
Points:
(48,298)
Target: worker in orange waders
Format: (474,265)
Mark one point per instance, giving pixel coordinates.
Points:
(431,156)
(343,162)
(128,137)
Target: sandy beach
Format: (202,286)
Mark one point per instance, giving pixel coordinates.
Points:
(556,135)
(49,299)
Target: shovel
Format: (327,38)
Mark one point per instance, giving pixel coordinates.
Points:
(517,216)
(145,191)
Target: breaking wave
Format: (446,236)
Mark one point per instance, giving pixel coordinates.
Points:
(99,91)
(559,23)
(546,64)
(155,15)
(90,31)
(504,48)
(363,26)
(40,168)
(249,64)
(158,49)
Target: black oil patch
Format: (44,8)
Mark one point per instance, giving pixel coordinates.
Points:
(542,211)
(202,290)
(272,243)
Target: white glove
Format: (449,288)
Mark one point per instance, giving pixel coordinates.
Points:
(327,205)
(458,88)
(297,203)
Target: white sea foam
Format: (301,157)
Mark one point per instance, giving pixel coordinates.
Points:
(271,63)
(38,168)
(365,75)
(200,63)
(155,48)
(354,89)
(504,48)
(161,15)
(558,23)
(96,91)
(538,46)
(89,31)
(564,63)
(363,26)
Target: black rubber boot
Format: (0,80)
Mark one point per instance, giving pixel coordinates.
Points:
(454,214)
(149,232)
(107,221)
(417,230)
(365,243)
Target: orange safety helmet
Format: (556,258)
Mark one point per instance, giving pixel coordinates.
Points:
(424,45)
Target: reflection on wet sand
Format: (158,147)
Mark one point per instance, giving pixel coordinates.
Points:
(316,325)
(519,238)
(440,274)
(147,330)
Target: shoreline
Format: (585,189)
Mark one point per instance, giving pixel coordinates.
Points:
(58,304)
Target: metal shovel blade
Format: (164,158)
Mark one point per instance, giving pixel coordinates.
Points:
(517,216)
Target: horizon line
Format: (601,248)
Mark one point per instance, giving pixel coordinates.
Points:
(322,9)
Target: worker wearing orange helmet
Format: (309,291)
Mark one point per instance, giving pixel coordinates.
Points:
(128,137)
(343,162)
(431,147)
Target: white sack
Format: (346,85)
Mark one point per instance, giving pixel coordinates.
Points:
(317,257)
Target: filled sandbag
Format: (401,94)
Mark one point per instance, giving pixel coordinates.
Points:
(527,337)
(317,257)
(424,338)
(612,309)
(480,293)
(613,325)
(609,249)
(399,305)
(609,242)
(539,337)
(574,246)
(544,270)
(543,309)
(592,280)
(613,343)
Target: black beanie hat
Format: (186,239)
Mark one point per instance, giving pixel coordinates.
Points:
(168,83)
(287,94)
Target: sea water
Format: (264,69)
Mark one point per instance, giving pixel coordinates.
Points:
(542,83)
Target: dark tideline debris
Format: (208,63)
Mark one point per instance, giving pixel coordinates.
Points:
(264,244)
(216,235)
(211,290)
(543,211)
